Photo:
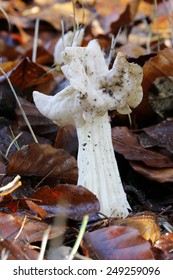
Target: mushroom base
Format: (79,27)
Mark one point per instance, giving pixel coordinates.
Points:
(98,170)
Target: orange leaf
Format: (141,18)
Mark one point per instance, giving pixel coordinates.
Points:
(67,200)
(145,223)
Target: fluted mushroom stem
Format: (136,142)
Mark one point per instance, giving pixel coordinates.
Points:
(98,170)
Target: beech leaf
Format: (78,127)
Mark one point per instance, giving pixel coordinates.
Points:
(32,230)
(67,200)
(145,223)
(165,243)
(126,142)
(43,160)
(117,243)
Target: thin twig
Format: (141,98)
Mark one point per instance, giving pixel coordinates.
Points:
(35,44)
(169,12)
(44,243)
(21,228)
(62,34)
(112,49)
(74,16)
(157,25)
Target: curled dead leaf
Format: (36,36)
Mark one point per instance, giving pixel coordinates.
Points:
(145,223)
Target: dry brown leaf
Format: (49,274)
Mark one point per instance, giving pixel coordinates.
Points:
(9,250)
(67,200)
(36,209)
(165,242)
(57,12)
(162,134)
(157,66)
(67,139)
(132,50)
(12,228)
(43,160)
(161,175)
(127,16)
(28,73)
(117,243)
(126,143)
(145,223)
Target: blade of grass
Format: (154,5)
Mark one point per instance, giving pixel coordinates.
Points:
(79,238)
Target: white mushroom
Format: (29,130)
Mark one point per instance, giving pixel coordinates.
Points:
(70,39)
(93,91)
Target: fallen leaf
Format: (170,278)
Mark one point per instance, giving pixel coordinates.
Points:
(157,66)
(127,16)
(7,52)
(32,230)
(28,73)
(67,200)
(43,56)
(41,125)
(67,139)
(57,12)
(117,243)
(43,160)
(165,243)
(7,101)
(162,134)
(36,209)
(161,175)
(11,251)
(126,143)
(145,223)
(132,50)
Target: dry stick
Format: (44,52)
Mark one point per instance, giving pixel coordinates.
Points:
(44,243)
(157,25)
(34,54)
(74,15)
(112,49)
(62,34)
(169,12)
(20,106)
(22,226)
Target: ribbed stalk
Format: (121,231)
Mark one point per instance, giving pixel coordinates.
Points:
(98,170)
